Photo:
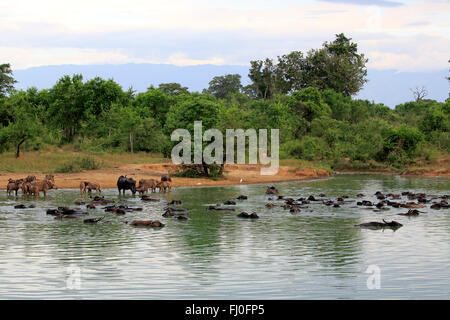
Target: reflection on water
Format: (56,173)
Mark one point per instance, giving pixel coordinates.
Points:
(314,254)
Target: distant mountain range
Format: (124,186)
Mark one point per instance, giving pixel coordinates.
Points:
(387,86)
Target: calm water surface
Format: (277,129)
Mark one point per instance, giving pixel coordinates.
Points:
(314,254)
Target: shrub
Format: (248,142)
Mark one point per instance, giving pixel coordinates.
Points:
(77,165)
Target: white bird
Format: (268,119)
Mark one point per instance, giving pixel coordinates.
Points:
(241,180)
(199,183)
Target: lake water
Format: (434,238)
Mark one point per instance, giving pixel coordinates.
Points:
(314,254)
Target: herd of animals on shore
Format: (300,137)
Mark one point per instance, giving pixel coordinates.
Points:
(31,186)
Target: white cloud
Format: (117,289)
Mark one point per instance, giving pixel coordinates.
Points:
(111,31)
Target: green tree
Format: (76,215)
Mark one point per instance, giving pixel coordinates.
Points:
(6,79)
(153,103)
(289,72)
(173,89)
(23,121)
(221,86)
(337,65)
(67,110)
(262,74)
(307,105)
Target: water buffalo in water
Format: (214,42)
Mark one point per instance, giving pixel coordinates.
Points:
(124,183)
(376,225)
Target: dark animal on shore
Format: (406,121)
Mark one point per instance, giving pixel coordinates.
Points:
(384,224)
(148,223)
(229,202)
(124,183)
(166,177)
(271,190)
(175,202)
(164,186)
(246,215)
(242,197)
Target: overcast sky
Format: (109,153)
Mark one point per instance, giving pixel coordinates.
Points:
(401,35)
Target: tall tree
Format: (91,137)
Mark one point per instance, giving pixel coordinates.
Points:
(337,65)
(6,79)
(173,88)
(67,109)
(221,86)
(262,74)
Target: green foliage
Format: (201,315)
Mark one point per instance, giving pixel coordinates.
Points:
(172,89)
(337,66)
(79,164)
(222,86)
(6,80)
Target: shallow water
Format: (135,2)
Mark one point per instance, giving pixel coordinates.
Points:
(313,254)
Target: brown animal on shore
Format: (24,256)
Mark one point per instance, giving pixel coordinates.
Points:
(83,186)
(164,185)
(145,184)
(93,186)
(89,186)
(49,177)
(38,186)
(30,179)
(13,185)
(26,188)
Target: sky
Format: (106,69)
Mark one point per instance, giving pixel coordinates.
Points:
(396,35)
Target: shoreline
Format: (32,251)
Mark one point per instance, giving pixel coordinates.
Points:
(234,175)
(243,174)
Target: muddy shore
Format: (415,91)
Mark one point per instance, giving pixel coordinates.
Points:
(234,175)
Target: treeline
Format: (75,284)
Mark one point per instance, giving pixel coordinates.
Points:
(306,96)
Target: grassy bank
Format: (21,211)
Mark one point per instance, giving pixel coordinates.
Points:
(67,160)
(63,159)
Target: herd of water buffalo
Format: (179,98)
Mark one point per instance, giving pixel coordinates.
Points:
(31,186)
(385,201)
